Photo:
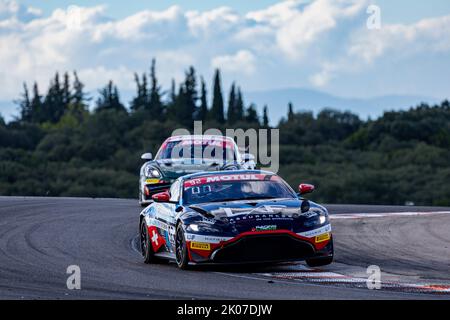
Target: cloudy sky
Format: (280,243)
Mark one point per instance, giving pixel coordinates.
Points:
(323,44)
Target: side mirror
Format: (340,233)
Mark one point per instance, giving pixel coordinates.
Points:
(147,156)
(161,197)
(305,188)
(248,157)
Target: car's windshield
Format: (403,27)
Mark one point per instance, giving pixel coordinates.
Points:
(230,187)
(198,149)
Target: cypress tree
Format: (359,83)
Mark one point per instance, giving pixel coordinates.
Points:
(217,113)
(239,106)
(116,104)
(66,94)
(185,107)
(144,91)
(79,96)
(265,117)
(203,111)
(170,110)
(53,106)
(49,102)
(78,106)
(109,99)
(173,94)
(25,105)
(178,112)
(290,112)
(231,112)
(141,101)
(190,86)
(252,115)
(155,105)
(36,105)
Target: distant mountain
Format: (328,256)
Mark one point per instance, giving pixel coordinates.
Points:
(311,100)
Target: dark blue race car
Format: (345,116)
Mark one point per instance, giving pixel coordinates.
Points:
(227,217)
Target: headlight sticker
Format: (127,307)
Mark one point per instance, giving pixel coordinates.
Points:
(152,181)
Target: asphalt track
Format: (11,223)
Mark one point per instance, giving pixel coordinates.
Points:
(41,237)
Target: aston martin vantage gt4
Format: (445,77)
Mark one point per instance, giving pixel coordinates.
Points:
(238,216)
(181,155)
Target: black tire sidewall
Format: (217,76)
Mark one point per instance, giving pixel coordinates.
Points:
(183,264)
(322,261)
(148,254)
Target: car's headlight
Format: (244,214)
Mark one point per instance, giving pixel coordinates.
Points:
(323,216)
(152,172)
(322,219)
(194,227)
(202,227)
(318,217)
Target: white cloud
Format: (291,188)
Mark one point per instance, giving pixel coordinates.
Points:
(14,10)
(291,44)
(241,62)
(277,15)
(298,25)
(428,35)
(323,77)
(216,21)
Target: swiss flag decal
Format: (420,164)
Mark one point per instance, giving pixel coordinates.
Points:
(156,239)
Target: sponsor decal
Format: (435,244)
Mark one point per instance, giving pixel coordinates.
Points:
(200,246)
(208,239)
(265,228)
(224,178)
(151,181)
(203,142)
(199,138)
(316,232)
(259,212)
(323,237)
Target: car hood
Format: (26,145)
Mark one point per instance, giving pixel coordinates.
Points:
(260,215)
(173,169)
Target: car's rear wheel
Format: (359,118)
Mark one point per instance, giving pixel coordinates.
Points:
(146,246)
(181,251)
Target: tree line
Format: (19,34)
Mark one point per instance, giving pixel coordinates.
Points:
(183,105)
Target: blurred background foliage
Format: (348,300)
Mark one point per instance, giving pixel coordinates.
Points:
(57,147)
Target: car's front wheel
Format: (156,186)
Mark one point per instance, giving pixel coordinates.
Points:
(318,262)
(181,251)
(146,246)
(322,261)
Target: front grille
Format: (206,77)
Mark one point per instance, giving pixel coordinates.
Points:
(264,248)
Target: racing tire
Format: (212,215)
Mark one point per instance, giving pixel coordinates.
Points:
(318,262)
(181,250)
(146,246)
(322,261)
